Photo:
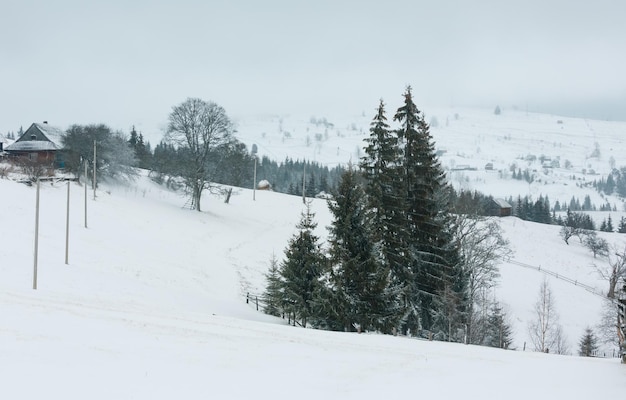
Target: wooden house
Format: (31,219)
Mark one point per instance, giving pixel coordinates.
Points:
(500,208)
(40,143)
(3,143)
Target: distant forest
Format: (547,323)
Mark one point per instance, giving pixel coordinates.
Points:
(234,165)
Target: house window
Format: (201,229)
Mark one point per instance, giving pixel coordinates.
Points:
(33,137)
(32,156)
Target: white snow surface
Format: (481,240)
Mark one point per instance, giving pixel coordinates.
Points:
(152,304)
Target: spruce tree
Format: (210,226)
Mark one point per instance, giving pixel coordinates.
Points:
(302,268)
(432,257)
(383,187)
(498,331)
(622,225)
(588,345)
(274,291)
(311,186)
(603,226)
(357,297)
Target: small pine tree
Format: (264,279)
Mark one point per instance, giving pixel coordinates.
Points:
(497,111)
(588,345)
(274,291)
(498,331)
(302,268)
(622,225)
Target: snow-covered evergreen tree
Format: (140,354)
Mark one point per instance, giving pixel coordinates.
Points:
(433,259)
(357,296)
(498,330)
(621,228)
(386,200)
(302,268)
(588,345)
(274,292)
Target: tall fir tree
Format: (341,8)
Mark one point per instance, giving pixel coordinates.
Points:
(302,268)
(383,185)
(432,259)
(357,296)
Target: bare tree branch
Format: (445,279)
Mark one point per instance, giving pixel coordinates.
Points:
(199,128)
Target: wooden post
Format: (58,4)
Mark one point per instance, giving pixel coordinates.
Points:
(94,169)
(254,181)
(303,184)
(257,302)
(85,193)
(67,225)
(36,237)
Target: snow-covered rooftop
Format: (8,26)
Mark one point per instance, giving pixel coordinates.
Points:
(49,140)
(53,133)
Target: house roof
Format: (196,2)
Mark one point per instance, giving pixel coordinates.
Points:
(502,203)
(38,137)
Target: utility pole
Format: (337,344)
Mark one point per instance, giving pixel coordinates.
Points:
(85,193)
(94,169)
(254,153)
(36,237)
(67,225)
(254,181)
(303,185)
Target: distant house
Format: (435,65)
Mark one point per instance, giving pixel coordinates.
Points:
(264,185)
(3,143)
(40,143)
(499,208)
(489,167)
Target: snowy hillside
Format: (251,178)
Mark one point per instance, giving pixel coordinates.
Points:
(152,303)
(468,139)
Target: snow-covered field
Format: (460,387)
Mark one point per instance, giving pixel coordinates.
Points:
(152,302)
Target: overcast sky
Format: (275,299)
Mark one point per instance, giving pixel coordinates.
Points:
(125,63)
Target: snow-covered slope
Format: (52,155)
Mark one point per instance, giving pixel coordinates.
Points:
(466,137)
(152,304)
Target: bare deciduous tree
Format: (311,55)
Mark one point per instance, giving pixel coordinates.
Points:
(198,127)
(35,169)
(545,332)
(481,245)
(615,269)
(598,246)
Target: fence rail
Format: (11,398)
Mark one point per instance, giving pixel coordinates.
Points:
(260,303)
(561,277)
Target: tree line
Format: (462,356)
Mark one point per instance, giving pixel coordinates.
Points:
(198,152)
